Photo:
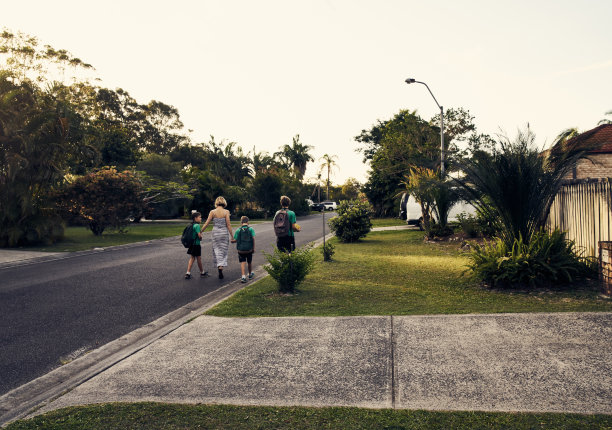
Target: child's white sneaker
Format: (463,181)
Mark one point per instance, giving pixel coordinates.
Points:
(243,280)
(251,275)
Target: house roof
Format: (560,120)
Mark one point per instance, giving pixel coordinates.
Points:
(600,137)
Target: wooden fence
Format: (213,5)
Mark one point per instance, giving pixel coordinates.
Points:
(583,208)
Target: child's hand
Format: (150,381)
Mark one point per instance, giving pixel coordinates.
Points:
(233,240)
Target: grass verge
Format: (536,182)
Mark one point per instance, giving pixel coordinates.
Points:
(395,273)
(81,238)
(387,222)
(167,416)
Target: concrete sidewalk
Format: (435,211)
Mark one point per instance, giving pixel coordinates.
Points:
(559,362)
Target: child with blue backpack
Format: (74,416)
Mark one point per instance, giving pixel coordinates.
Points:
(245,245)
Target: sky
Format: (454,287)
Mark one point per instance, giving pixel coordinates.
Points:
(260,72)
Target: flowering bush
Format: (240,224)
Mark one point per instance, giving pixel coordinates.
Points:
(102,199)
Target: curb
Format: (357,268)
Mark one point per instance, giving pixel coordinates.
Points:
(27,398)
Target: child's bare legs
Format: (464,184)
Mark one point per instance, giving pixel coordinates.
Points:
(243,266)
(191,260)
(199,264)
(250,268)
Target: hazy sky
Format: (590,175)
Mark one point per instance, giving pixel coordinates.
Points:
(260,72)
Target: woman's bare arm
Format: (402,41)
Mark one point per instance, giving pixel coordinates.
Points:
(229,225)
(208,220)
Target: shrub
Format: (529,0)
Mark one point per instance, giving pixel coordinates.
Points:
(353,221)
(438,230)
(102,199)
(547,260)
(328,251)
(289,269)
(516,184)
(469,224)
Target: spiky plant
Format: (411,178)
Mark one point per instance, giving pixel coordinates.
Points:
(515,186)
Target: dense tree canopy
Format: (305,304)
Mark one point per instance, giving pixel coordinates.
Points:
(394,146)
(35,136)
(59,131)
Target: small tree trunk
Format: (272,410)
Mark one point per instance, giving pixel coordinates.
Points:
(426,216)
(96,228)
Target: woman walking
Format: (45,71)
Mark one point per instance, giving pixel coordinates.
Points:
(221,233)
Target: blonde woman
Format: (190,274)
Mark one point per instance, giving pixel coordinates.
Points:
(221,233)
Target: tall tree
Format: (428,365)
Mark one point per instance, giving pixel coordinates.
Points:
(297,155)
(27,60)
(329,163)
(35,136)
(394,146)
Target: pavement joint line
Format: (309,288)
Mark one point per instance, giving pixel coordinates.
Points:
(33,395)
(392,338)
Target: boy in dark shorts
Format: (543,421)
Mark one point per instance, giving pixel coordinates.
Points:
(286,242)
(195,250)
(245,244)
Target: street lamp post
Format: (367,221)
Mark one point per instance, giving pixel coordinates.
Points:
(413,81)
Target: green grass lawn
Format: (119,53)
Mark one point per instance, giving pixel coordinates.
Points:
(164,416)
(395,273)
(81,238)
(391,272)
(387,222)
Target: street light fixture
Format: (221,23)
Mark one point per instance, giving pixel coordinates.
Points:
(413,81)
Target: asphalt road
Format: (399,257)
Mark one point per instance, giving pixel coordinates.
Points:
(54,311)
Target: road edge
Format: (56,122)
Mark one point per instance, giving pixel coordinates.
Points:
(27,398)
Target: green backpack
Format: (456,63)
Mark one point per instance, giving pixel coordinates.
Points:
(244,242)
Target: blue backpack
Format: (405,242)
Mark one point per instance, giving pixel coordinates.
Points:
(244,242)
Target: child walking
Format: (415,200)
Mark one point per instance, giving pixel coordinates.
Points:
(195,250)
(245,244)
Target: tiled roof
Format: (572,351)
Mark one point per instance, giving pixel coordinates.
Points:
(600,137)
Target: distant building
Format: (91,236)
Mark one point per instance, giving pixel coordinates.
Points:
(599,161)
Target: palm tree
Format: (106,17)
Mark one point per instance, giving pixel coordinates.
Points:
(515,186)
(329,162)
(297,156)
(34,141)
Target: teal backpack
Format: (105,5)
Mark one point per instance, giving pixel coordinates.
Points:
(244,242)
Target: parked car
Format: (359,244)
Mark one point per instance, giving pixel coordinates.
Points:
(329,205)
(317,207)
(135,217)
(410,210)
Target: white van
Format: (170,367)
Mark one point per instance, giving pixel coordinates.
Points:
(410,210)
